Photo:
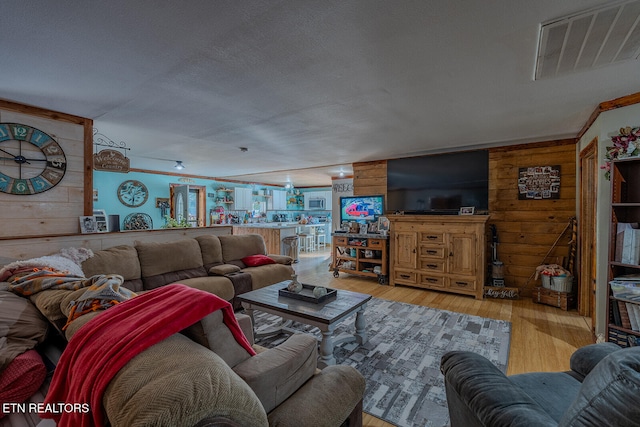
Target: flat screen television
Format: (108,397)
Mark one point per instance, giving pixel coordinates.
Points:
(439,184)
(361,208)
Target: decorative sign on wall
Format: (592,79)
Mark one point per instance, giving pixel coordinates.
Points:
(110,161)
(539,182)
(113,159)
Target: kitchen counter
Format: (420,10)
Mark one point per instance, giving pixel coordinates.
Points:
(278,225)
(272,233)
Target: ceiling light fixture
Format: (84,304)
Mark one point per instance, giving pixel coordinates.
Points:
(244,149)
(179,165)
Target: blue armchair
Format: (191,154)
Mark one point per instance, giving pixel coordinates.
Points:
(601,389)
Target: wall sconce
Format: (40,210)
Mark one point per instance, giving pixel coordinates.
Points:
(179,165)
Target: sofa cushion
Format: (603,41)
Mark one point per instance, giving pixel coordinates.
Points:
(122,260)
(22,326)
(223,269)
(584,359)
(211,250)
(217,285)
(274,375)
(169,262)
(178,383)
(334,392)
(212,333)
(549,390)
(609,394)
(236,247)
(257,260)
(266,275)
(48,303)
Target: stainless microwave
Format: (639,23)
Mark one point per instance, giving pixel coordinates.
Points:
(317,203)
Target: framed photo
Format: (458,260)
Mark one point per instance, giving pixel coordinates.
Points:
(383,225)
(467,210)
(102,223)
(88,224)
(364,228)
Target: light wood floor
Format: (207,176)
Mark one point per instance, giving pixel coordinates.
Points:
(542,337)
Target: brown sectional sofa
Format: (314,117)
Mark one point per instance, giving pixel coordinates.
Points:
(202,377)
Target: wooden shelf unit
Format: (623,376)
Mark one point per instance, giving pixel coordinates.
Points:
(370,250)
(439,252)
(625,208)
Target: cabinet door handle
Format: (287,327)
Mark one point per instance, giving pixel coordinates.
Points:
(462,283)
(405,276)
(432,266)
(432,237)
(431,252)
(431,280)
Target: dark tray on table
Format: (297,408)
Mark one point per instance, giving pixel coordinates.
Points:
(306,294)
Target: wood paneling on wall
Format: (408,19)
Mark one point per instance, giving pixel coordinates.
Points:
(370,178)
(527,229)
(55,211)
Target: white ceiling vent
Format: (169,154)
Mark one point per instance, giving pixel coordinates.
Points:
(590,39)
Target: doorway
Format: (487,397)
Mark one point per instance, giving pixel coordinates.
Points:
(188,204)
(587,231)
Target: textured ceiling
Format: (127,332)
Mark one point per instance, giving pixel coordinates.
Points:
(301,84)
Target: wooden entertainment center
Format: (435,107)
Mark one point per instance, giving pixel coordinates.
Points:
(439,252)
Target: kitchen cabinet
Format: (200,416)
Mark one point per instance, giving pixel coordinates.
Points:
(242,199)
(445,253)
(623,300)
(278,201)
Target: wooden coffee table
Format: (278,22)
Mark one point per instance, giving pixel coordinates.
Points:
(325,316)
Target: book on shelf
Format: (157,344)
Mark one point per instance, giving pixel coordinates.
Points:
(624,315)
(628,243)
(636,313)
(632,316)
(615,313)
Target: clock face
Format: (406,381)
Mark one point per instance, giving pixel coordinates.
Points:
(133,193)
(31,161)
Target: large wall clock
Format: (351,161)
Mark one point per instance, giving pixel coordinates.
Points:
(133,193)
(31,161)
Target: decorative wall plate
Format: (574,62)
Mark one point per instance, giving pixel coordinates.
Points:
(138,221)
(133,193)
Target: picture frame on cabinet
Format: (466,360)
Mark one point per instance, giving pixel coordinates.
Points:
(383,225)
(102,223)
(88,224)
(467,210)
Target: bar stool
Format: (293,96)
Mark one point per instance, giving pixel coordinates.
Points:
(307,239)
(321,236)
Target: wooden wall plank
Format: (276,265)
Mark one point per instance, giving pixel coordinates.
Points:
(55,211)
(527,229)
(370,178)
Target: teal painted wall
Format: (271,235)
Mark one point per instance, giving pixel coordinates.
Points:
(107,183)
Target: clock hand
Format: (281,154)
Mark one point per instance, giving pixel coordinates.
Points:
(12,156)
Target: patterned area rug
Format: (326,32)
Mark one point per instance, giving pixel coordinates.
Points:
(401,359)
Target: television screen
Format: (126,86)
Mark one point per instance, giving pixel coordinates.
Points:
(361,208)
(439,184)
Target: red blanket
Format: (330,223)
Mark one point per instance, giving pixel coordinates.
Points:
(107,342)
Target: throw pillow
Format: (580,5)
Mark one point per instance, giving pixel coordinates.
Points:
(22,378)
(256,260)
